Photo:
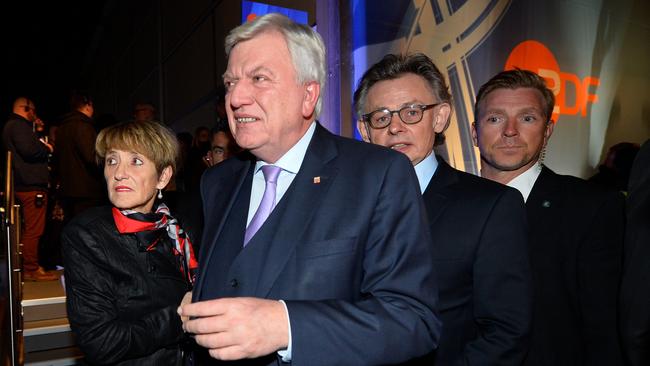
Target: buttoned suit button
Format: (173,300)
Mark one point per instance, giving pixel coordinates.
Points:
(234,283)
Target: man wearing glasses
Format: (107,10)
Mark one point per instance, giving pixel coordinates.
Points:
(478,227)
(31,176)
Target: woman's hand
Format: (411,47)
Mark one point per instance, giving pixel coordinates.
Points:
(187,299)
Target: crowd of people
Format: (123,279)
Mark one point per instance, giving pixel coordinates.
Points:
(56,172)
(275,241)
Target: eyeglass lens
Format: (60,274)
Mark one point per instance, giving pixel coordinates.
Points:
(408,114)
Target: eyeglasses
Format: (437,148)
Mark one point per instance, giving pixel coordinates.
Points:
(28,108)
(410,114)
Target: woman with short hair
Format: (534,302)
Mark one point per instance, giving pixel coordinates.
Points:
(128,267)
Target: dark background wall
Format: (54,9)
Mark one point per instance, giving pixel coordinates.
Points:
(167,52)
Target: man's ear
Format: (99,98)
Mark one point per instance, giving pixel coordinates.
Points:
(165,177)
(312,92)
(364,130)
(548,131)
(474,134)
(441,118)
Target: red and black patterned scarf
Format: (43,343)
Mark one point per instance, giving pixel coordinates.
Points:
(147,226)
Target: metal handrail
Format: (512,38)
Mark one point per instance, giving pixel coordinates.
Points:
(14,276)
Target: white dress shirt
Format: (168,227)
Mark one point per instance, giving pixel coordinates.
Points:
(524,182)
(290,164)
(425,170)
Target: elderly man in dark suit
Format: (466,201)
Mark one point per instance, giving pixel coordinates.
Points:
(478,226)
(576,228)
(344,244)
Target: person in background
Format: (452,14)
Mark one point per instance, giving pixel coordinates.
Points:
(222,145)
(575,228)
(634,310)
(614,172)
(127,267)
(478,226)
(29,166)
(144,111)
(195,164)
(80,182)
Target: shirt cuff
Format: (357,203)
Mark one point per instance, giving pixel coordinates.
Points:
(285,354)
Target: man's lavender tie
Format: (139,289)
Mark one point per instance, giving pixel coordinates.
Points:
(271,173)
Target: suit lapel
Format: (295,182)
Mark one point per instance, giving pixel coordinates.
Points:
(543,197)
(218,203)
(435,195)
(304,196)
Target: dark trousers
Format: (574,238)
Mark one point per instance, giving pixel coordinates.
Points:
(34,210)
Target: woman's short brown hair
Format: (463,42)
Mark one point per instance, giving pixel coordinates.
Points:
(151,139)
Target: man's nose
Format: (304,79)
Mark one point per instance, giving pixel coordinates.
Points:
(240,94)
(396,124)
(510,128)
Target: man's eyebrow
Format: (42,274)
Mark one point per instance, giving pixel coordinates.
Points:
(405,104)
(258,69)
(262,69)
(530,109)
(494,110)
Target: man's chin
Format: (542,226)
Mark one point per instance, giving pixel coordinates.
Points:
(511,166)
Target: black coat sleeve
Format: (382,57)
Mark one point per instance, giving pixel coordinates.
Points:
(634,314)
(599,272)
(27,144)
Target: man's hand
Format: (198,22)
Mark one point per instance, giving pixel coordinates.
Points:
(208,159)
(49,146)
(237,328)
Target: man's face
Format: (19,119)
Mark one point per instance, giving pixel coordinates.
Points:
(203,136)
(268,110)
(511,130)
(144,113)
(220,147)
(27,110)
(414,140)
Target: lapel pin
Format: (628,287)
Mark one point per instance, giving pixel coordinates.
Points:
(316,180)
(546,204)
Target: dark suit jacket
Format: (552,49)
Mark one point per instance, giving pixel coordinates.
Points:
(74,156)
(635,287)
(576,237)
(29,155)
(348,252)
(481,258)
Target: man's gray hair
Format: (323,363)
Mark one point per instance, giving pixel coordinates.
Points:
(305,46)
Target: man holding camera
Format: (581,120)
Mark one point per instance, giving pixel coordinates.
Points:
(31,175)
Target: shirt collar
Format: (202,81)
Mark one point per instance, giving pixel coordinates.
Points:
(524,182)
(292,159)
(425,170)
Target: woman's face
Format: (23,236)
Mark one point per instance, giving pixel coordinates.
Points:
(132,180)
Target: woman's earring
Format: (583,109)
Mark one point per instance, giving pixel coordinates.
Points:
(159,194)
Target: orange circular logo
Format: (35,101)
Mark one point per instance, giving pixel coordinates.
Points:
(536,57)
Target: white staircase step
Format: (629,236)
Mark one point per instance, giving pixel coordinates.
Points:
(54,357)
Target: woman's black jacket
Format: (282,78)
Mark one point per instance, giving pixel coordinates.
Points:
(121,299)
